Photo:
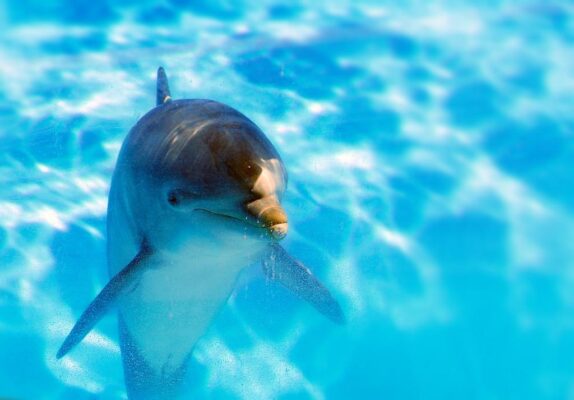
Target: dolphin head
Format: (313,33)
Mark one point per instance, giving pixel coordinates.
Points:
(222,169)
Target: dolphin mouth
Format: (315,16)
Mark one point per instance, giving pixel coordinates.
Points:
(278,231)
(227,216)
(268,212)
(276,227)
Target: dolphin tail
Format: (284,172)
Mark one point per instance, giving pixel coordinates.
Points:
(142,381)
(291,273)
(163,94)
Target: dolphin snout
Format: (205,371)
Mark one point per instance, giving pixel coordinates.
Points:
(270,214)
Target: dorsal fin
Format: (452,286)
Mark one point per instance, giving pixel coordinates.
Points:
(162,93)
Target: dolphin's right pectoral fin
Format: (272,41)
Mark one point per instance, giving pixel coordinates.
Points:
(280,266)
(121,283)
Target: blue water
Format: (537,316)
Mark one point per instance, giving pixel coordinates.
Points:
(430,155)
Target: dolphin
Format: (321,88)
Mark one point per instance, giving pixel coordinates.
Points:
(194,199)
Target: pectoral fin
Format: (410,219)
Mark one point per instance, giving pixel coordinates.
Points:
(121,283)
(280,266)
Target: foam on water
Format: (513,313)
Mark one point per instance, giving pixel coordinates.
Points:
(429,149)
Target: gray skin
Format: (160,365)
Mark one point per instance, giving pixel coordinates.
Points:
(195,198)
(185,178)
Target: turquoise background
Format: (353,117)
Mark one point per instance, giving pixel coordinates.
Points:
(430,152)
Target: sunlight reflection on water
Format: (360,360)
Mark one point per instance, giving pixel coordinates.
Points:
(428,148)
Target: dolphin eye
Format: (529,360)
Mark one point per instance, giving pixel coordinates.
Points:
(172,198)
(177,197)
(180,197)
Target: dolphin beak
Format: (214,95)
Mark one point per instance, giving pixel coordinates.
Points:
(269,214)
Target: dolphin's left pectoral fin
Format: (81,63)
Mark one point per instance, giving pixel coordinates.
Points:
(121,283)
(280,266)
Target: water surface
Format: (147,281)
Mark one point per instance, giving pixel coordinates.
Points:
(429,147)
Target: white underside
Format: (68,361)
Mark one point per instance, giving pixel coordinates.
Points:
(184,283)
(174,304)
